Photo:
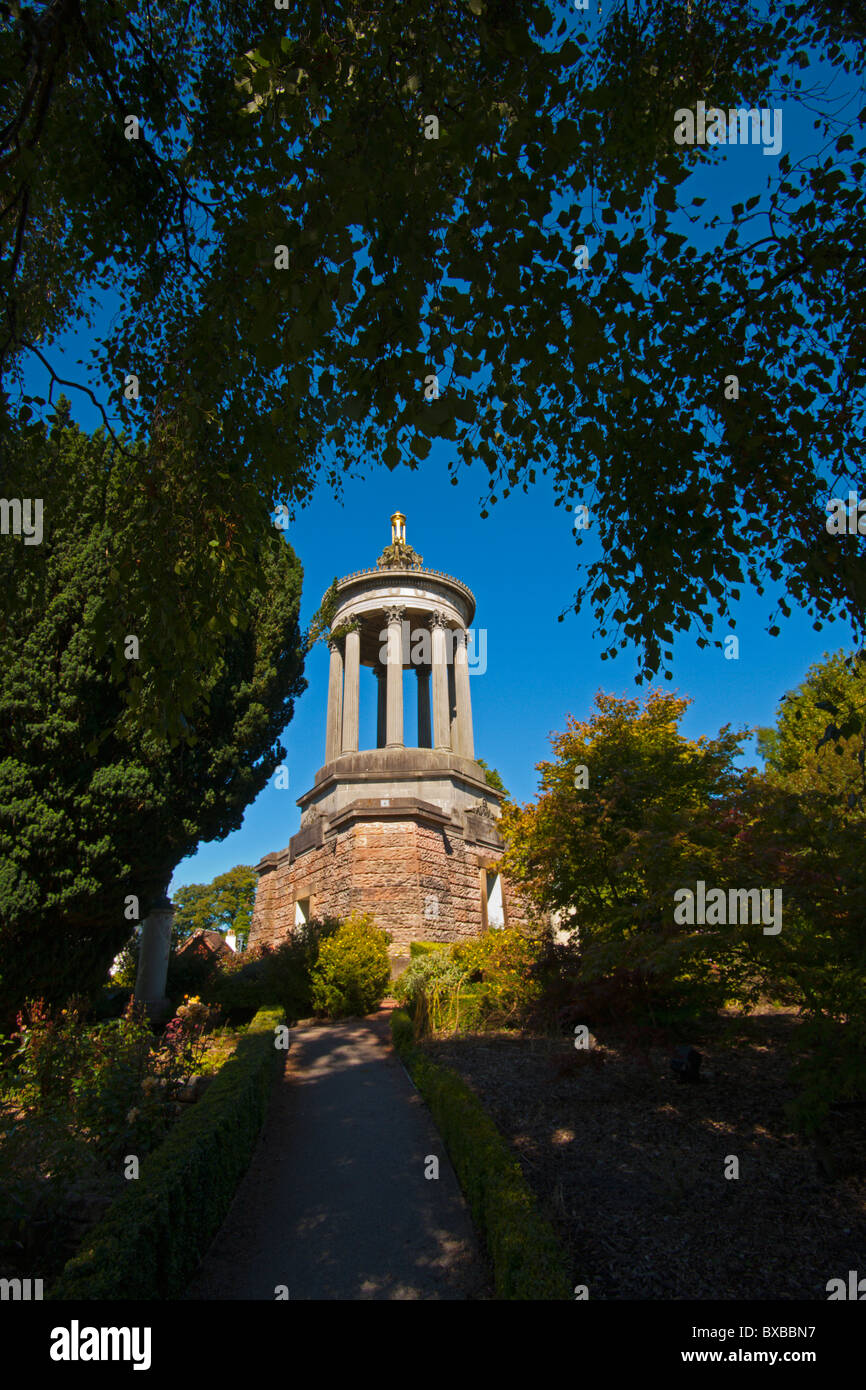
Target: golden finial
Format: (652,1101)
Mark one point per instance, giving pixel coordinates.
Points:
(399,555)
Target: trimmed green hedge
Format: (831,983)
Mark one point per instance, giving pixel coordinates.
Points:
(402,1033)
(151,1240)
(423,948)
(528,1261)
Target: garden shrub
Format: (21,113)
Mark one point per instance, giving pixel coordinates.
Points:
(402,1031)
(494,980)
(236,988)
(508,963)
(272,975)
(289,974)
(528,1261)
(183,1043)
(103,1082)
(189,972)
(427,986)
(126,973)
(84,1079)
(475,1008)
(829,1069)
(151,1240)
(662,978)
(424,948)
(353,971)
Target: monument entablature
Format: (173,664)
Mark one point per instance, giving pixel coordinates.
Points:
(423,592)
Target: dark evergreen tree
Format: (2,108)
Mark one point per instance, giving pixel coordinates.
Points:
(92,811)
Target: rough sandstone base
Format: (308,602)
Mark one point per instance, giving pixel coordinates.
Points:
(420,883)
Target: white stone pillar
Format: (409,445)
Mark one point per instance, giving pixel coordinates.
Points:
(334,738)
(153,956)
(441,720)
(350,691)
(465,740)
(381,706)
(424,734)
(452,694)
(394,721)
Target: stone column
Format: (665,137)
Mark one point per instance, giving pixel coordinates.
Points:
(153,957)
(394,678)
(350,691)
(465,740)
(334,739)
(424,737)
(441,721)
(381,707)
(452,695)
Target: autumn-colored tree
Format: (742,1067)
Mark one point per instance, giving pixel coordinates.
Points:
(629,809)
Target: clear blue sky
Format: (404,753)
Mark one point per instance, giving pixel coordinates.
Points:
(521,564)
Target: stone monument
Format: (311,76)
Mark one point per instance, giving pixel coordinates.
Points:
(155,948)
(406,830)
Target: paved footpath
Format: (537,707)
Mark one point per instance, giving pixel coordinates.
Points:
(335,1204)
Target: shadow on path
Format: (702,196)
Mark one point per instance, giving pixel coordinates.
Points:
(335,1204)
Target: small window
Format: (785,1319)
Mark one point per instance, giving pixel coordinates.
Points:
(495,909)
(302,912)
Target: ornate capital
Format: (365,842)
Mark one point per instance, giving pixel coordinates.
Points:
(437,619)
(394,614)
(334,644)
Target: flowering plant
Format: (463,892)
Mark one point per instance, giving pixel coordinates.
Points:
(183,1042)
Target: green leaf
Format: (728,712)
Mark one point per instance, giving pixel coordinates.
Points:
(420,446)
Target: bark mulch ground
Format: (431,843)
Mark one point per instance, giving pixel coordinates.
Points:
(628,1163)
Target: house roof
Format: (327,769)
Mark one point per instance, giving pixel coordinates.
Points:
(211,940)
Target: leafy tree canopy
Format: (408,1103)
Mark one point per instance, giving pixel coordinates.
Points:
(223,905)
(804,830)
(820,740)
(628,809)
(293,258)
(492,778)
